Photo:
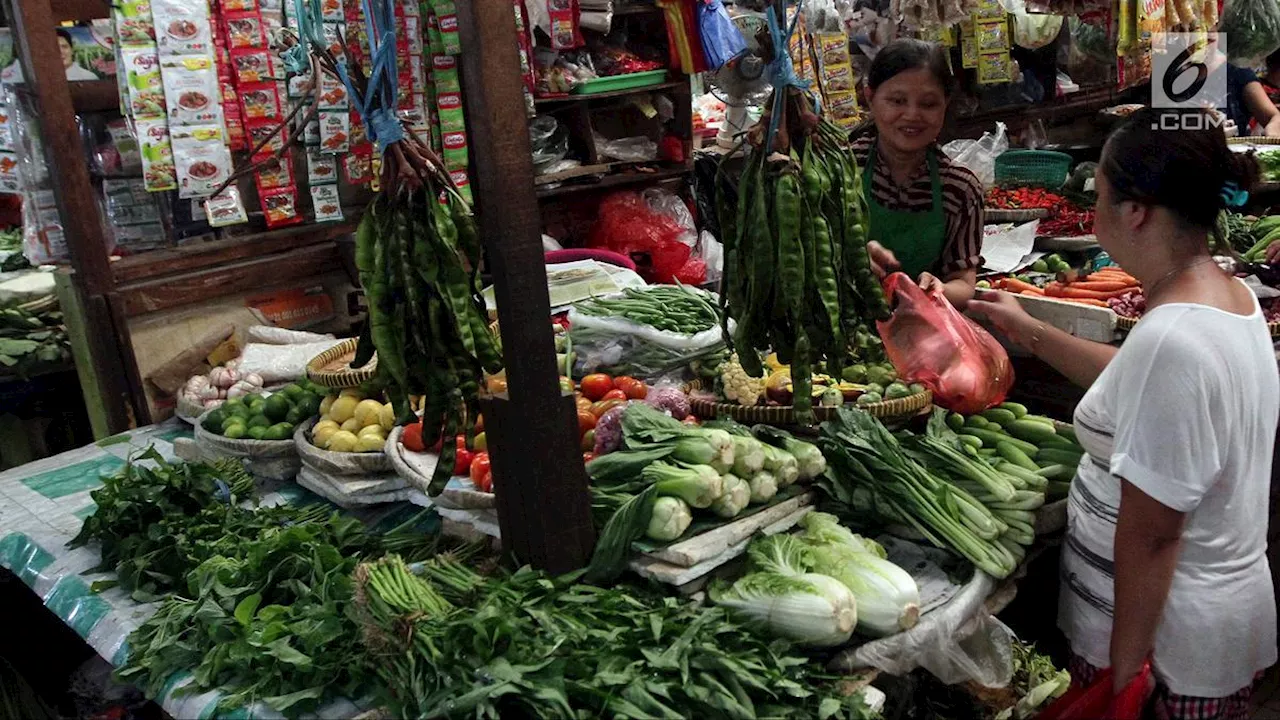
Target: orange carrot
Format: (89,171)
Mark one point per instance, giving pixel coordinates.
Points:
(1101,285)
(1083,301)
(1070,291)
(1014,285)
(1115,275)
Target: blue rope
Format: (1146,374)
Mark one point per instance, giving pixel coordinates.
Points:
(781,71)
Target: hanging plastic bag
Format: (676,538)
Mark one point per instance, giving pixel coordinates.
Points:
(721,40)
(1097,700)
(932,343)
(1253,26)
(979,156)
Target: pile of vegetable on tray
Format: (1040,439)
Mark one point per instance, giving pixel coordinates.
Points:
(797,276)
(671,308)
(29,341)
(966,484)
(446,641)
(253,601)
(818,586)
(1098,288)
(1250,239)
(1066,218)
(661,470)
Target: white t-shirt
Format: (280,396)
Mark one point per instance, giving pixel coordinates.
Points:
(1186,412)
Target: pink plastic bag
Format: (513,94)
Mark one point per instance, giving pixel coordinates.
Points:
(1096,702)
(932,343)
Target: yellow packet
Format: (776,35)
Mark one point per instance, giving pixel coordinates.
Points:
(995,68)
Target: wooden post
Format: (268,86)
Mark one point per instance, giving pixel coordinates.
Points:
(104,350)
(544,507)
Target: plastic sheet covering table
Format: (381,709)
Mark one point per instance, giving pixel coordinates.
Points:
(44,503)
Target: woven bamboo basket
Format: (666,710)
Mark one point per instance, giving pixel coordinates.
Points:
(992,216)
(332,368)
(39,305)
(784,414)
(1253,141)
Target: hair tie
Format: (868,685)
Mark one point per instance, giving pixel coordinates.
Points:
(1233,196)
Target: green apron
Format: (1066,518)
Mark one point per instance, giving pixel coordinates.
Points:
(916,238)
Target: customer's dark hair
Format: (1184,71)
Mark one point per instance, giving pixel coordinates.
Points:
(907,54)
(1273,61)
(1178,160)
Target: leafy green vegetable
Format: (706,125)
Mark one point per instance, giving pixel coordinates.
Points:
(809,609)
(528,645)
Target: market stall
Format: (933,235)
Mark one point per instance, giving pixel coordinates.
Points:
(704,437)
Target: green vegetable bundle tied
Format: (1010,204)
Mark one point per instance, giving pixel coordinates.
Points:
(797,277)
(418,254)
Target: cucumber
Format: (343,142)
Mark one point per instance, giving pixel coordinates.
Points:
(1060,443)
(1016,456)
(970,450)
(1000,415)
(971,440)
(1063,473)
(955,421)
(987,452)
(976,421)
(1053,456)
(1040,419)
(990,438)
(1018,409)
(994,427)
(1067,432)
(1031,431)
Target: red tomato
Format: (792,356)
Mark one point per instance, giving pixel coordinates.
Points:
(637,390)
(481,472)
(462,462)
(411,438)
(586,421)
(614,394)
(599,408)
(582,401)
(690,420)
(589,440)
(595,386)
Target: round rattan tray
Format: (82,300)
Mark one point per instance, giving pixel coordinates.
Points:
(783,414)
(332,368)
(1126,324)
(992,216)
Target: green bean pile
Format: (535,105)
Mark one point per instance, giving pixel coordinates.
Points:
(797,277)
(675,309)
(418,260)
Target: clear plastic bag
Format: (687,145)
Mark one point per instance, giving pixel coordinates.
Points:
(979,156)
(618,346)
(1253,27)
(932,343)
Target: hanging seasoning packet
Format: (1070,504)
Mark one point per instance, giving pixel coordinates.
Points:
(225,208)
(335,131)
(260,101)
(182,27)
(146,87)
(565,33)
(325,202)
(446,13)
(995,68)
(321,168)
(991,35)
(245,30)
(280,206)
(252,65)
(266,133)
(202,159)
(276,174)
(191,90)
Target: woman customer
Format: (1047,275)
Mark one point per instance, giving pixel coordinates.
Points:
(1166,526)
(925,211)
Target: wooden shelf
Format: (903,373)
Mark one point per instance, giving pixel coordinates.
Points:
(670,85)
(156,263)
(617,179)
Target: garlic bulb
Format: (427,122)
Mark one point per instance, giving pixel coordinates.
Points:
(224,377)
(240,389)
(253,379)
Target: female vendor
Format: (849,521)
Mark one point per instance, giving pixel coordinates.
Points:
(925,210)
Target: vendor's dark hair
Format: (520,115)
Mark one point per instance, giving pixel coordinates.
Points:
(1159,158)
(907,54)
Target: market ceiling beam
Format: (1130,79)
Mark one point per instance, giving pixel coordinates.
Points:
(544,507)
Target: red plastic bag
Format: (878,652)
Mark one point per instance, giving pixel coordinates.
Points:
(932,343)
(627,224)
(1096,702)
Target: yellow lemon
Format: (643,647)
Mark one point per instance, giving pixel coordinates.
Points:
(351,425)
(367,412)
(327,403)
(342,441)
(343,409)
(370,443)
(372,430)
(323,431)
(387,418)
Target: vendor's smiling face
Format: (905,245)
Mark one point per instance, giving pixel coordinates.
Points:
(909,109)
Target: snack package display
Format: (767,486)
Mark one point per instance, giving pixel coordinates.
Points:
(191,90)
(335,131)
(141,69)
(325,202)
(280,206)
(182,27)
(245,30)
(156,152)
(260,100)
(276,174)
(253,65)
(225,208)
(321,168)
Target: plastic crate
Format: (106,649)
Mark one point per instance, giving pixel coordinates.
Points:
(1033,167)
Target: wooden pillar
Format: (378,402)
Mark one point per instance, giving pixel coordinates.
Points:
(544,506)
(105,351)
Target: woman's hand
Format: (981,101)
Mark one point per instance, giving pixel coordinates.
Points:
(883,261)
(1273,253)
(928,281)
(1007,315)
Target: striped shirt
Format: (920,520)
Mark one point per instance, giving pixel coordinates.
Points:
(962,198)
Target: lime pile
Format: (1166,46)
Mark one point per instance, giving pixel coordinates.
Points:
(265,417)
